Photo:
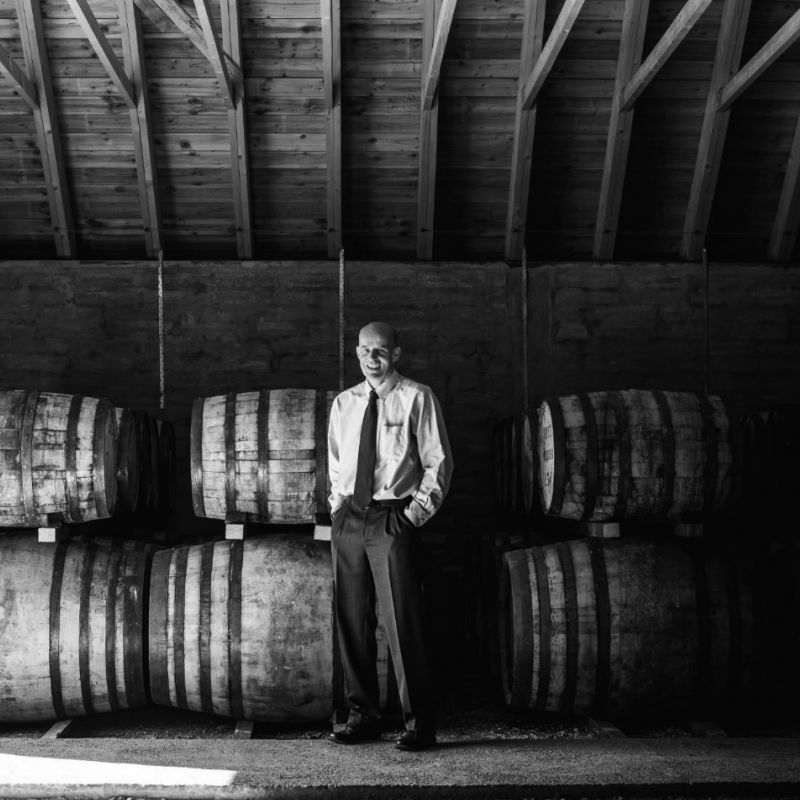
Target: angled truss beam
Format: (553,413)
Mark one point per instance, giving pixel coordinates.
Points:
(330,15)
(232,43)
(659,55)
(555,42)
(93,31)
(615,165)
(784,228)
(786,36)
(19,78)
(47,128)
(130,26)
(733,28)
(444,20)
(524,130)
(214,51)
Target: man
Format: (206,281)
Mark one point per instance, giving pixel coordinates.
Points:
(390,468)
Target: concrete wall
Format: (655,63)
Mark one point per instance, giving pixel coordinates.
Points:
(92,328)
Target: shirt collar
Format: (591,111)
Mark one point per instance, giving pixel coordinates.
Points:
(386,387)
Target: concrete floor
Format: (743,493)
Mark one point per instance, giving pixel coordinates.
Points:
(465,768)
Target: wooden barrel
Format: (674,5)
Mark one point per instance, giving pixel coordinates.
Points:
(127,460)
(617,454)
(58,458)
(71,622)
(622,628)
(261,456)
(245,629)
(527,463)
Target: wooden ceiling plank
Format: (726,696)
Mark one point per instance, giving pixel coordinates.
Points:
(19,78)
(788,34)
(733,28)
(555,42)
(683,23)
(444,20)
(93,31)
(784,229)
(524,131)
(215,53)
(634,27)
(330,16)
(130,25)
(47,128)
(232,43)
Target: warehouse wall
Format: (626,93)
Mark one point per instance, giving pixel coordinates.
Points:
(92,328)
(593,327)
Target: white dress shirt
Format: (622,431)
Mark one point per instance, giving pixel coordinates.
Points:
(412,456)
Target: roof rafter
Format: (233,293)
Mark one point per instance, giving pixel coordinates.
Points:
(733,28)
(524,130)
(93,31)
(634,27)
(330,16)
(444,19)
(232,43)
(683,23)
(19,78)
(780,42)
(555,42)
(215,53)
(428,128)
(130,26)
(47,128)
(189,27)
(784,228)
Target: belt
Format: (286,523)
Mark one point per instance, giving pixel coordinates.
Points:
(373,504)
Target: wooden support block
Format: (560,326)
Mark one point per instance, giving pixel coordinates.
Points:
(601,530)
(234,530)
(55,533)
(322,533)
(243,729)
(688,530)
(604,729)
(58,730)
(705,728)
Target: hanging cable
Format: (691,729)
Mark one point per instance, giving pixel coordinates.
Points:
(341,320)
(161,328)
(707,343)
(524,330)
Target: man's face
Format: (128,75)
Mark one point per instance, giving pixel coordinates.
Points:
(376,356)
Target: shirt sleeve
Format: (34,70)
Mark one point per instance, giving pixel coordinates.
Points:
(336,498)
(436,460)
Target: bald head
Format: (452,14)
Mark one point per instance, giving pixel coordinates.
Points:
(377,352)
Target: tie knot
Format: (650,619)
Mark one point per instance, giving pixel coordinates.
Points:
(373,395)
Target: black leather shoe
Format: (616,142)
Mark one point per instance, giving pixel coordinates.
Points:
(357,732)
(414,740)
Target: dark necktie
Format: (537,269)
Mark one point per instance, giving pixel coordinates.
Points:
(365,468)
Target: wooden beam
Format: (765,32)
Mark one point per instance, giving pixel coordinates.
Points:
(240,164)
(561,29)
(215,53)
(330,15)
(685,20)
(188,26)
(615,165)
(130,27)
(524,130)
(47,129)
(733,28)
(788,34)
(93,31)
(444,19)
(784,228)
(428,138)
(19,78)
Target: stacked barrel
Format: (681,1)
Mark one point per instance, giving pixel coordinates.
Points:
(620,627)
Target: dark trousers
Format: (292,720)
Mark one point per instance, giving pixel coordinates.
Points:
(371,557)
